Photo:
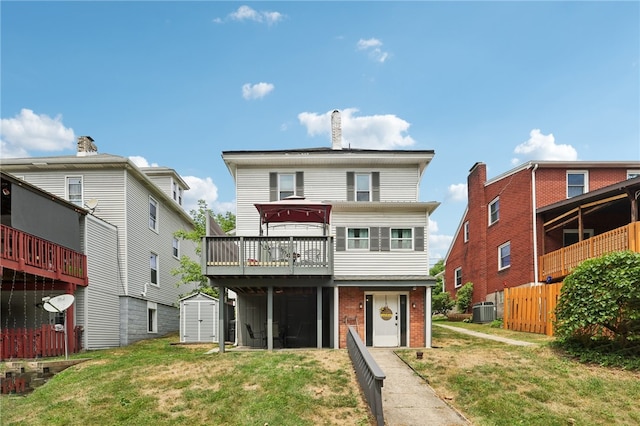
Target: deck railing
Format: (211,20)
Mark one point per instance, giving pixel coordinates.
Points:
(560,263)
(42,342)
(272,255)
(370,375)
(25,252)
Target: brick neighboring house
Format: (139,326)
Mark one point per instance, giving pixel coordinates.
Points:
(509,222)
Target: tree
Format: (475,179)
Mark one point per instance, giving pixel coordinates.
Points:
(464,297)
(189,269)
(441,301)
(600,301)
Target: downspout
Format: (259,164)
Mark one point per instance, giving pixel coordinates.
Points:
(534,221)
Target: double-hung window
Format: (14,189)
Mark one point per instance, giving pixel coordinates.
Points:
(358,238)
(74,189)
(153,214)
(176,248)
(401,238)
(494,211)
(457,277)
(363,187)
(577,183)
(153,266)
(504,256)
(633,174)
(286,185)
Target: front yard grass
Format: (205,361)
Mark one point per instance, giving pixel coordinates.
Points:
(156,383)
(493,383)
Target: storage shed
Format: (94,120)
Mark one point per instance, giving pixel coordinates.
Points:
(199,318)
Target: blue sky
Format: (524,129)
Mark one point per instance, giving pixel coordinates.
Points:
(176,83)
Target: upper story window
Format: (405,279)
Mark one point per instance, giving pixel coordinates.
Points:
(358,238)
(283,185)
(577,183)
(457,277)
(74,189)
(494,211)
(286,185)
(153,264)
(176,192)
(176,247)
(401,238)
(153,214)
(633,174)
(363,186)
(466,231)
(504,255)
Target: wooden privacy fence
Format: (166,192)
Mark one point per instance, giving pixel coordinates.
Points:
(36,342)
(531,309)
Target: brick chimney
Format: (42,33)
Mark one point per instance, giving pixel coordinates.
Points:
(86,146)
(336,130)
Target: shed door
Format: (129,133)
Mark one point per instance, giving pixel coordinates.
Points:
(385,320)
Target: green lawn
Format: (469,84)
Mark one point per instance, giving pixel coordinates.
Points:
(493,383)
(156,383)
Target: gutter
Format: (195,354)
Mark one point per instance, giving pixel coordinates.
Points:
(534,221)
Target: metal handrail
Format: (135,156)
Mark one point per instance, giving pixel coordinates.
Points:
(370,375)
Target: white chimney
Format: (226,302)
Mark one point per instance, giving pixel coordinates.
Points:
(86,146)
(336,130)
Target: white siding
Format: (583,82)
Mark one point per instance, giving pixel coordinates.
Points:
(376,263)
(320,184)
(101,310)
(142,241)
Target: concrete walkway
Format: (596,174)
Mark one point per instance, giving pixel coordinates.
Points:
(407,400)
(486,336)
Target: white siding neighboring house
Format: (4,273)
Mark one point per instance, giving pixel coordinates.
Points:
(141,217)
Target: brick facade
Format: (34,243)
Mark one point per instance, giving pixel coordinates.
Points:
(478,257)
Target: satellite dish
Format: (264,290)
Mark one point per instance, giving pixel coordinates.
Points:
(59,303)
(91,204)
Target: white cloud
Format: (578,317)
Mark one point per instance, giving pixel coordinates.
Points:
(371,132)
(438,244)
(374,48)
(204,189)
(28,131)
(246,13)
(544,147)
(141,161)
(256,91)
(457,192)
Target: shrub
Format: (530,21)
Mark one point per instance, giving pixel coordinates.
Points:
(600,303)
(464,297)
(441,303)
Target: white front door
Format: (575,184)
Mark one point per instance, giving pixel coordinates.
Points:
(385,320)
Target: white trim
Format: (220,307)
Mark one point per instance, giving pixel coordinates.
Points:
(355,186)
(585,185)
(156,219)
(502,267)
(152,306)
(66,189)
(367,248)
(411,240)
(293,190)
(455,277)
(175,247)
(157,258)
(492,203)
(465,231)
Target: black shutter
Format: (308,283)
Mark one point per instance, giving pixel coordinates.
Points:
(418,239)
(300,184)
(374,238)
(273,186)
(375,182)
(350,187)
(385,239)
(340,239)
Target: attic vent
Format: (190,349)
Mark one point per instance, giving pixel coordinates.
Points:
(336,130)
(86,146)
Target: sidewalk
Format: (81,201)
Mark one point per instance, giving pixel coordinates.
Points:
(485,336)
(407,400)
